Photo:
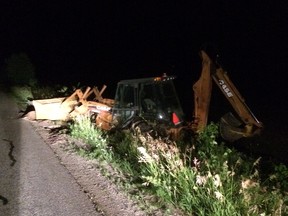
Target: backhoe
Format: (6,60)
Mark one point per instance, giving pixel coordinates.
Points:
(154,101)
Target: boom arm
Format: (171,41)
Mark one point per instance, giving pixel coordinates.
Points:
(231,129)
(202,94)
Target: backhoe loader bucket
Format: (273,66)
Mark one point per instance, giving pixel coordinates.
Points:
(230,128)
(53,109)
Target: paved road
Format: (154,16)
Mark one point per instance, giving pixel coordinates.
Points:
(32,180)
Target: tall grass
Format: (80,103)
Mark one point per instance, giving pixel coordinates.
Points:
(210,180)
(189,181)
(83,128)
(207,178)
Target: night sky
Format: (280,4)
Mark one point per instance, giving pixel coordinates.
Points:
(102,42)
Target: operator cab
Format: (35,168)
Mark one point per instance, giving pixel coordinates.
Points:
(154,99)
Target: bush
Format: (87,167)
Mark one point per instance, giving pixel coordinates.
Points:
(19,70)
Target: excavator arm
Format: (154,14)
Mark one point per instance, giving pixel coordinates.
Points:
(202,94)
(231,128)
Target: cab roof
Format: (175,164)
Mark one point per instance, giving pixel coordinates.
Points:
(148,80)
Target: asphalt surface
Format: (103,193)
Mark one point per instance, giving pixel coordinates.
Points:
(32,179)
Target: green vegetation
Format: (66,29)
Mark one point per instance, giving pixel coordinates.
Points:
(207,178)
(199,177)
(83,128)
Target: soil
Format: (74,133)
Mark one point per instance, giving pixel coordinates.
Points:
(109,197)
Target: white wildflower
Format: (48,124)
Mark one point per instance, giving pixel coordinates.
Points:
(214,142)
(146,184)
(230,173)
(256,173)
(209,174)
(145,157)
(217,181)
(219,196)
(196,162)
(248,183)
(201,180)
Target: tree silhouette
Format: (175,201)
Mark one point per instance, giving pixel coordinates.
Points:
(19,70)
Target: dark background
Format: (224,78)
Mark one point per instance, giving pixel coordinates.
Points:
(102,42)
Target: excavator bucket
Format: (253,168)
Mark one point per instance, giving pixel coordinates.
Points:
(230,128)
